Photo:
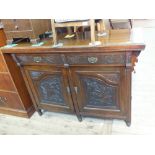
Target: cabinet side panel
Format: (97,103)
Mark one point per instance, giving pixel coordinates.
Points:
(18,81)
(3,67)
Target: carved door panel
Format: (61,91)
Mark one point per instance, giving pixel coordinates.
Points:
(99,90)
(49,88)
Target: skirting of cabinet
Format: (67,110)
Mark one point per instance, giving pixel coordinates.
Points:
(20,113)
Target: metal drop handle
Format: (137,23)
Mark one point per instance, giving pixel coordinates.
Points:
(37,59)
(92,60)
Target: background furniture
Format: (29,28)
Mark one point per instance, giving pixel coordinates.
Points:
(70,23)
(100,25)
(25,28)
(14,97)
(85,81)
(2,37)
(114,21)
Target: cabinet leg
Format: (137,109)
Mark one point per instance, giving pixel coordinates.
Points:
(39,112)
(128,123)
(79,118)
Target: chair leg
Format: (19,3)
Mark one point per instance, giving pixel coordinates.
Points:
(92,30)
(130,21)
(111,25)
(102,26)
(54,32)
(98,27)
(69,30)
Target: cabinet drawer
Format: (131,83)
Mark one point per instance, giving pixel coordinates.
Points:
(6,83)
(16,24)
(97,58)
(29,59)
(10,100)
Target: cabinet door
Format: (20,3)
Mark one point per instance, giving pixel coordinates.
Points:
(99,91)
(49,88)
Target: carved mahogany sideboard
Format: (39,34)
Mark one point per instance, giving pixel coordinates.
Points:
(86,81)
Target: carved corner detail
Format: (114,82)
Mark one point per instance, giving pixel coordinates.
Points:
(134,60)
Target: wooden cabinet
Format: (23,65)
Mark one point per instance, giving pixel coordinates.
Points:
(25,28)
(94,84)
(13,99)
(79,79)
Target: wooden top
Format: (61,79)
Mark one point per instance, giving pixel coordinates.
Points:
(116,40)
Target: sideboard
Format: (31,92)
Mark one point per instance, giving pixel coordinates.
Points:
(79,79)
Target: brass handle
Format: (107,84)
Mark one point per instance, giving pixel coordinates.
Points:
(66,65)
(3,100)
(92,60)
(16,27)
(37,59)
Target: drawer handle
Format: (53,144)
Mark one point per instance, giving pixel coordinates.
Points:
(37,59)
(3,100)
(92,60)
(16,27)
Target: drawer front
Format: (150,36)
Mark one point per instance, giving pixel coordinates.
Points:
(10,100)
(16,24)
(39,59)
(3,67)
(6,83)
(96,58)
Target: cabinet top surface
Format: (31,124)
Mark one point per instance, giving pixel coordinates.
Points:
(115,40)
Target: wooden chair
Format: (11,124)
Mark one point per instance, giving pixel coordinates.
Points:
(77,23)
(100,25)
(112,21)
